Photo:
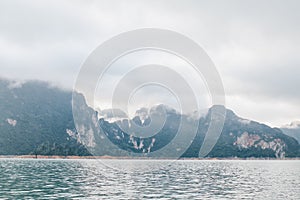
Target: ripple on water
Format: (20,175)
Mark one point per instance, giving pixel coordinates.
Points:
(90,179)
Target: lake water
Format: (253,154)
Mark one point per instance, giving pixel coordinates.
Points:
(148,179)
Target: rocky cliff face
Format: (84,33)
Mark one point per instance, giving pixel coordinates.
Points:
(246,141)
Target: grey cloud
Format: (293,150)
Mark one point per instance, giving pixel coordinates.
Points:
(255,44)
(280,82)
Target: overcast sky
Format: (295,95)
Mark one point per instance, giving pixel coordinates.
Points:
(255,45)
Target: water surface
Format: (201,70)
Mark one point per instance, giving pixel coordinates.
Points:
(148,179)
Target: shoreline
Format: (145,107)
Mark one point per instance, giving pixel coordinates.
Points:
(130,158)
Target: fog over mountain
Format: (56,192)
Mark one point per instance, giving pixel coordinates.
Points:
(37,118)
(292,129)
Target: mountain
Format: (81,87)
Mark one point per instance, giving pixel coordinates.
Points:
(292,130)
(37,119)
(246,138)
(239,138)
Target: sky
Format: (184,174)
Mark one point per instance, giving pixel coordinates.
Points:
(254,45)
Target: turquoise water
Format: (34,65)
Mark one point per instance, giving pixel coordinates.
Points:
(148,179)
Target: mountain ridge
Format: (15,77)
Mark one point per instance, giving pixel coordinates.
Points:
(37,118)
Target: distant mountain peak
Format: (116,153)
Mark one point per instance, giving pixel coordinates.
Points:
(292,125)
